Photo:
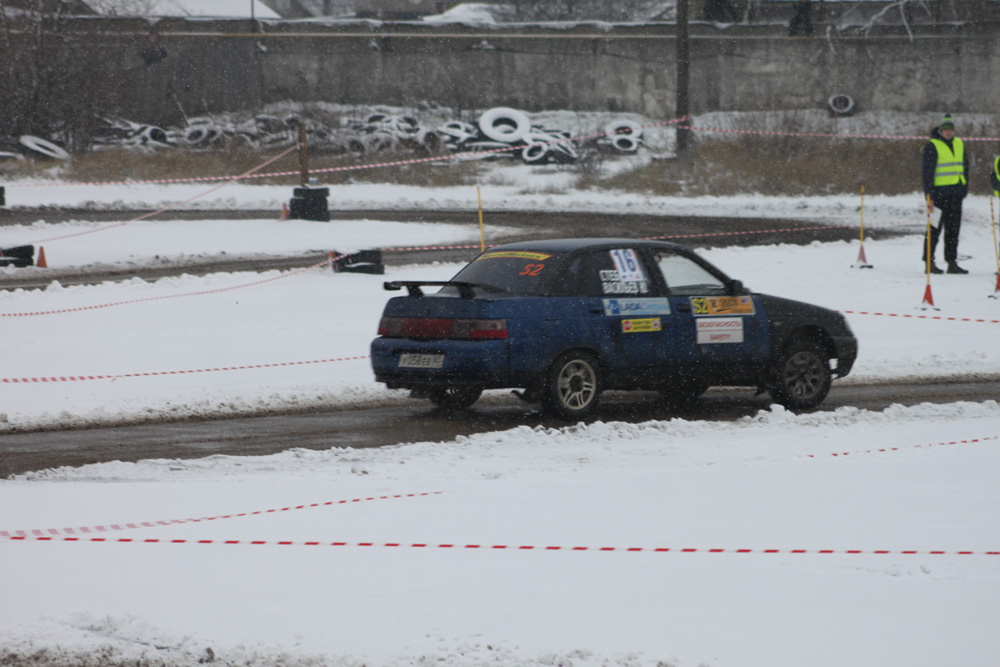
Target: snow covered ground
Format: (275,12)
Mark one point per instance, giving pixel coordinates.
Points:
(918,479)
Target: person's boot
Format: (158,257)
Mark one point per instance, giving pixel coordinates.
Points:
(934,268)
(953,267)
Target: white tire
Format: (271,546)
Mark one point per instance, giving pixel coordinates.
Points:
(44,147)
(504,124)
(537,150)
(623,128)
(841,105)
(625,144)
(458,131)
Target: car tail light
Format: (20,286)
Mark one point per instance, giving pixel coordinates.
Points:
(440,328)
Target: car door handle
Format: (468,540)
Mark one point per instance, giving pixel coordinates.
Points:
(595,310)
(684,308)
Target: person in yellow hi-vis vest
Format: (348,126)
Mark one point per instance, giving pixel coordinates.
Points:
(946,182)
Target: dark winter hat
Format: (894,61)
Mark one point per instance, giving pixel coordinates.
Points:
(947,123)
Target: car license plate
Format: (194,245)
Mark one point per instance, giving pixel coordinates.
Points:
(413,360)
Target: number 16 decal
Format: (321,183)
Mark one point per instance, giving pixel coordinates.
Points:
(627,265)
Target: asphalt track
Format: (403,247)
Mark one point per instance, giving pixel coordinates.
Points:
(407,420)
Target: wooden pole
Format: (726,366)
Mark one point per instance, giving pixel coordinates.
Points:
(683,81)
(303,156)
(862,217)
(482,236)
(930,260)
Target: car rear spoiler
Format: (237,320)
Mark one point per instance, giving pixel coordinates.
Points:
(465,290)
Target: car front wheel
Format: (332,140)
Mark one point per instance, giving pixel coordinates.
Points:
(801,376)
(574,386)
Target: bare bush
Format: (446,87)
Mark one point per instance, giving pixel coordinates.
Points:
(50,83)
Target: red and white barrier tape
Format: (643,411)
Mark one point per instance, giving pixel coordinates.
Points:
(229,180)
(521,547)
(884,450)
(330,260)
(753,231)
(86,530)
(921,317)
(471,246)
(828,135)
(84,378)
(219,290)
(71,534)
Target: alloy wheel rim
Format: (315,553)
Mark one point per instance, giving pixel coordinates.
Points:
(804,374)
(577,384)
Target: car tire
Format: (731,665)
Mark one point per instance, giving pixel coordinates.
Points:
(841,105)
(623,128)
(574,386)
(454,398)
(537,150)
(46,148)
(504,124)
(801,376)
(625,144)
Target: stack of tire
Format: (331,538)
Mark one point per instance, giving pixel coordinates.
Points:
(623,136)
(125,133)
(504,131)
(379,132)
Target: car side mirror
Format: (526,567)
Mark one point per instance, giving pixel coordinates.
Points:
(736,288)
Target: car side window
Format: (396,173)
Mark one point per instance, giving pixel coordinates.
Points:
(685,277)
(614,272)
(570,279)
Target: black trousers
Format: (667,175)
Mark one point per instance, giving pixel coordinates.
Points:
(951,223)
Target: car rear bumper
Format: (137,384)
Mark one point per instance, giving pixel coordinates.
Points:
(477,363)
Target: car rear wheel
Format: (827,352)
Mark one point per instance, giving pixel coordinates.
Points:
(574,386)
(801,376)
(454,398)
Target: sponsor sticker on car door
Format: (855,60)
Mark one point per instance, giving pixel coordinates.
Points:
(719,330)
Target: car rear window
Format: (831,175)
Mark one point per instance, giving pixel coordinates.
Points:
(509,271)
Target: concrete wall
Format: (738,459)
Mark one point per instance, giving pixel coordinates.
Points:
(230,66)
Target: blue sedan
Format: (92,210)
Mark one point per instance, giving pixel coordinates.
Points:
(564,320)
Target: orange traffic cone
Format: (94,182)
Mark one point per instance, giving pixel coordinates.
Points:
(41,263)
(928,297)
(284,212)
(862,260)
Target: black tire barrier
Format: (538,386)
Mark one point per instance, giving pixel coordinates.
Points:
(20,256)
(311,193)
(841,105)
(3,196)
(363,261)
(309,208)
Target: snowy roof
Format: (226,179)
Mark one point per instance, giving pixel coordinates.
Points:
(185,8)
